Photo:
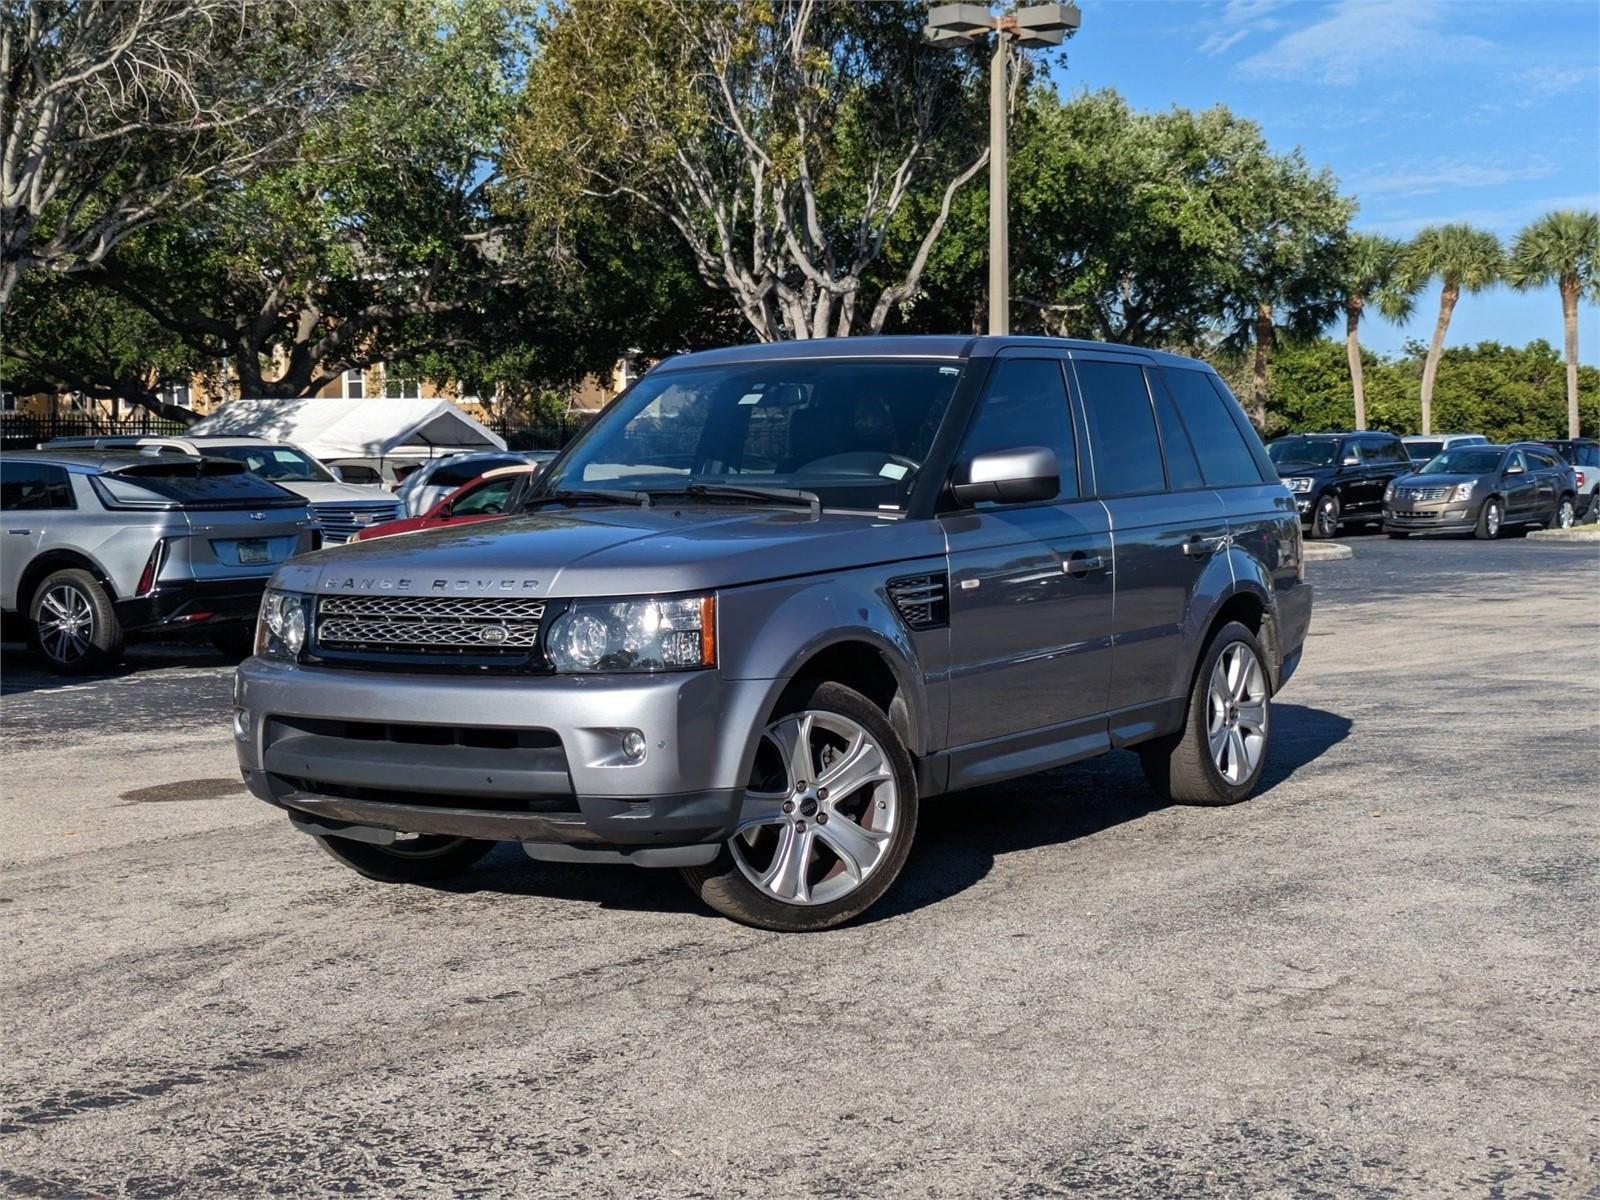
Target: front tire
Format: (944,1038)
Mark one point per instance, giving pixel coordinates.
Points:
(1325,517)
(1491,520)
(420,858)
(1221,751)
(75,629)
(829,818)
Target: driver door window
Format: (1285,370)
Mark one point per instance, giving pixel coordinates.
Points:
(1026,405)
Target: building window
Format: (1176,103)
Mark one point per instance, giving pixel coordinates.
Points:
(355,385)
(402,389)
(8,402)
(175,393)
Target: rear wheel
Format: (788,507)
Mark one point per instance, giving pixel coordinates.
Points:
(1325,517)
(828,818)
(1491,520)
(410,858)
(1566,515)
(75,629)
(1218,756)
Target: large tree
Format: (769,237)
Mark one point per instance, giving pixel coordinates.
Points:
(1562,248)
(1373,274)
(116,113)
(780,140)
(1458,256)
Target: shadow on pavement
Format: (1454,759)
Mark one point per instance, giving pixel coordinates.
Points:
(958,838)
(23,671)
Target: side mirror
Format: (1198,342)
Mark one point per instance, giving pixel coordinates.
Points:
(1008,476)
(1513,469)
(337,473)
(1350,460)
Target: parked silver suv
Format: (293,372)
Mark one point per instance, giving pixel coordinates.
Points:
(100,545)
(774,598)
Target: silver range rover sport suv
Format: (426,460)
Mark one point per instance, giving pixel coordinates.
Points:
(774,598)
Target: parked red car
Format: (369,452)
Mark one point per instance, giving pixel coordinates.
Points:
(484,499)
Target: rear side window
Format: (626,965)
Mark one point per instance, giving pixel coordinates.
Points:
(1026,405)
(192,484)
(1588,456)
(31,487)
(1542,461)
(1183,468)
(455,474)
(1122,428)
(1387,450)
(1225,459)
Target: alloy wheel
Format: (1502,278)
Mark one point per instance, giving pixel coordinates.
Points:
(822,810)
(66,624)
(1565,515)
(1491,519)
(1236,725)
(1327,517)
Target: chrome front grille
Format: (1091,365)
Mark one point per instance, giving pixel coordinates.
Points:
(341,522)
(448,625)
(1422,493)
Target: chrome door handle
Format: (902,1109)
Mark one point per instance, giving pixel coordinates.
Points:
(1200,547)
(23,532)
(1079,564)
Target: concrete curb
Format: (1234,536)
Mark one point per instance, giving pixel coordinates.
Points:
(1324,551)
(1585,533)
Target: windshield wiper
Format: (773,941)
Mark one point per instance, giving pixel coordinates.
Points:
(740,491)
(588,496)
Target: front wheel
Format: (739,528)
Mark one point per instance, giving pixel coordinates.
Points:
(827,821)
(1325,519)
(1218,756)
(1490,520)
(410,858)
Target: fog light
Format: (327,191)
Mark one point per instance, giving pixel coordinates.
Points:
(241,723)
(633,746)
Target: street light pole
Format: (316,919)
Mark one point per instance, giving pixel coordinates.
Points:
(1034,25)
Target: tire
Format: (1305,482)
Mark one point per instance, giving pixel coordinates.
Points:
(1565,516)
(419,860)
(234,641)
(1399,533)
(74,628)
(1325,516)
(1491,520)
(1182,768)
(836,727)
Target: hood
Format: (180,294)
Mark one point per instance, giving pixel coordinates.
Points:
(1435,480)
(335,492)
(1286,469)
(614,552)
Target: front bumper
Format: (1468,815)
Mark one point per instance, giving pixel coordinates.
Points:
(193,603)
(529,759)
(1435,517)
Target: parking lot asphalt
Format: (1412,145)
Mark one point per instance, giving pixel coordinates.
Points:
(1380,977)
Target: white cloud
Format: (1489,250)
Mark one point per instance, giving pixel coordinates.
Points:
(1546,83)
(1421,178)
(1217,42)
(1237,20)
(1362,38)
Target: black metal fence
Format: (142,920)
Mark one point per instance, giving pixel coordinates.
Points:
(24,431)
(545,433)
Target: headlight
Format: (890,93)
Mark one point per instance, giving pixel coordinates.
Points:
(285,621)
(1463,492)
(1298,483)
(1388,492)
(646,634)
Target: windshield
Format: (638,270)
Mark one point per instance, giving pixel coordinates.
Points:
(1463,462)
(191,483)
(1313,452)
(283,464)
(1423,451)
(853,432)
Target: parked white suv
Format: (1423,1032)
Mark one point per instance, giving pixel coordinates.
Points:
(340,508)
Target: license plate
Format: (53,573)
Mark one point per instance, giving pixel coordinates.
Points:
(256,550)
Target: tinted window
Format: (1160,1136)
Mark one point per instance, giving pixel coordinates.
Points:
(354,474)
(1383,450)
(1423,451)
(1463,462)
(490,498)
(29,487)
(1225,460)
(1543,462)
(1122,428)
(1183,468)
(192,483)
(283,464)
(1302,452)
(455,474)
(1026,405)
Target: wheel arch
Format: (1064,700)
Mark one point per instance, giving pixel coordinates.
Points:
(58,560)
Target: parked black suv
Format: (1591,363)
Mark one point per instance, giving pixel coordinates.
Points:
(1339,478)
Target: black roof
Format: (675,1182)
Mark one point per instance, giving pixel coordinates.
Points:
(951,346)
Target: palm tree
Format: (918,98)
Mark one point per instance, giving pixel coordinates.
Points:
(1458,256)
(1561,248)
(1373,274)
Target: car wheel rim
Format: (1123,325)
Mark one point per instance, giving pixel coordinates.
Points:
(66,624)
(1236,719)
(1491,519)
(821,811)
(1326,522)
(1564,515)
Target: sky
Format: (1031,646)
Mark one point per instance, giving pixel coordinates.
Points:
(1484,111)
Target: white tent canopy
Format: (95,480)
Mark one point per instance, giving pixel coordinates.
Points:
(377,427)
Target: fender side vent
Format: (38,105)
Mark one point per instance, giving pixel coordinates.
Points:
(923,601)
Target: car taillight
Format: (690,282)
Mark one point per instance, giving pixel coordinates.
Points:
(1580,478)
(152,567)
